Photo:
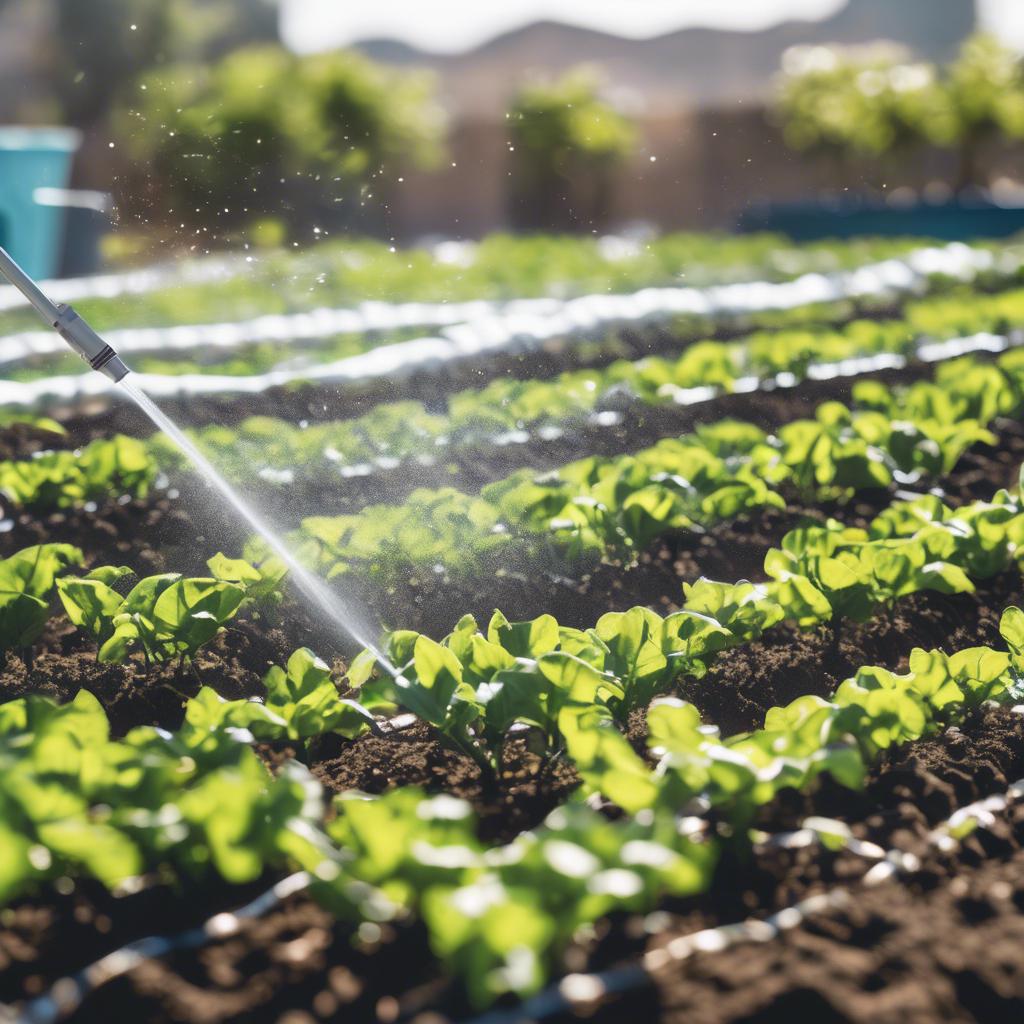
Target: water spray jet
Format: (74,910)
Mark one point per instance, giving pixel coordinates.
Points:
(85,342)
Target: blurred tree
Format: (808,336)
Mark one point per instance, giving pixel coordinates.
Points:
(873,102)
(984,89)
(211,28)
(865,101)
(566,142)
(263,132)
(102,46)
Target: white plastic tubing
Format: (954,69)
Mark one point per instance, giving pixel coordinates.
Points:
(133,282)
(468,329)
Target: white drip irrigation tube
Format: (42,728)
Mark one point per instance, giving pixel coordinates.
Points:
(486,316)
(473,329)
(67,994)
(581,992)
(132,282)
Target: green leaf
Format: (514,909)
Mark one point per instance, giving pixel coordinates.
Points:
(104,852)
(360,668)
(524,639)
(576,680)
(1011,628)
(90,604)
(438,675)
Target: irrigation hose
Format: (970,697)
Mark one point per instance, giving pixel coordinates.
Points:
(511,328)
(67,994)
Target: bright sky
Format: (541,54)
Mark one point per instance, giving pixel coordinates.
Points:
(452,25)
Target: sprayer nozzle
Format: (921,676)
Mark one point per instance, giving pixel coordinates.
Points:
(88,344)
(114,368)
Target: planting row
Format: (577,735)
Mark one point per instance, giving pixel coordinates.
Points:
(508,408)
(669,799)
(612,508)
(525,325)
(512,410)
(393,432)
(605,508)
(199,801)
(501,267)
(473,687)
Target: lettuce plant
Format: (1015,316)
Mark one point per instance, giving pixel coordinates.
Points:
(75,802)
(872,711)
(262,582)
(301,702)
(164,616)
(26,580)
(499,918)
(59,479)
(856,575)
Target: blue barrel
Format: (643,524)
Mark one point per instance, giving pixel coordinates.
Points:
(30,159)
(958,219)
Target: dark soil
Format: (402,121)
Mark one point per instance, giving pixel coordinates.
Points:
(22,440)
(945,947)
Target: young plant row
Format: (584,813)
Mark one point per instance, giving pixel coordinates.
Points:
(596,507)
(501,267)
(613,507)
(63,478)
(162,617)
(474,686)
(199,801)
(395,431)
(391,432)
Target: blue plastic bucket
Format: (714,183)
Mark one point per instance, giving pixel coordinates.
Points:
(33,158)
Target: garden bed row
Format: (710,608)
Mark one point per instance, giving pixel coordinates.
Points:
(298,955)
(524,326)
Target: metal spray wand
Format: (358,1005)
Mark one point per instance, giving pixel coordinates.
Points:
(66,322)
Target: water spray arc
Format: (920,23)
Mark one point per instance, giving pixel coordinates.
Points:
(102,358)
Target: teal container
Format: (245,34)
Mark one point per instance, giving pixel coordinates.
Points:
(30,159)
